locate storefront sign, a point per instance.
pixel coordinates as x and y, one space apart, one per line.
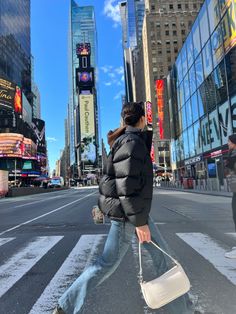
148 114
216 153
193 160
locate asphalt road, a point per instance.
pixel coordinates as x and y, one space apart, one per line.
47 240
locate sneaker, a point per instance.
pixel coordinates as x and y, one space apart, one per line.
232 253
58 310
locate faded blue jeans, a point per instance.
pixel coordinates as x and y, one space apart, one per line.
118 241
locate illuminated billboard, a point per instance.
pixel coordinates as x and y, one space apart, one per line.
160 106
83 49
84 77
16 145
10 96
148 114
87 128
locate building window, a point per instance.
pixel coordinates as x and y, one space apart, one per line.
171 6
186 6
166 24
167 42
167 33
167 50
153 7
173 24
175 42
154 60
179 6
169 68
154 69
183 32
194 5
174 33
158 25
160 52
169 59
176 50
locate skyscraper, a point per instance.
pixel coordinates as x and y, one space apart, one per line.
15 51
84 141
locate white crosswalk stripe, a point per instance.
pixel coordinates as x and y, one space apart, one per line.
5 240
212 252
79 258
20 263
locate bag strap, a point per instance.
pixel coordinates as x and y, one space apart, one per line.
140 259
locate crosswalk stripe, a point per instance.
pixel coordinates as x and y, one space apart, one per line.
212 252
5 240
79 258
20 263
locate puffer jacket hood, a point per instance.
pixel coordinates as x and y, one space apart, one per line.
126 188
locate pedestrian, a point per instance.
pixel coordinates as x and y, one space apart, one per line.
231 165
125 196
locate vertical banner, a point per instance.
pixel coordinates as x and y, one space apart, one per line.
152 153
148 114
87 128
160 106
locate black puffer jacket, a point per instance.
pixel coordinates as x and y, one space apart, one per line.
126 188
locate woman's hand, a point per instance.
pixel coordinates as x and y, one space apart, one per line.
143 233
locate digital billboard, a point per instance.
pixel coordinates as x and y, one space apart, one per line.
84 77
38 126
160 106
83 49
10 96
16 145
87 128
148 114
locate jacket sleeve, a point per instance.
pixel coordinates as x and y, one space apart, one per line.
128 163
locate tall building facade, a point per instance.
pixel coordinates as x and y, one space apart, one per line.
22 136
202 95
132 14
83 105
15 44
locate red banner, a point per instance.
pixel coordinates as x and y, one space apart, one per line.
160 106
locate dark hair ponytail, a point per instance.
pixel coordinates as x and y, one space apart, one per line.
132 112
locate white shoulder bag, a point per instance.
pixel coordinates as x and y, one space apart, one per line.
166 288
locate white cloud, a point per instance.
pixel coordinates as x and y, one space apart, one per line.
108 83
106 68
111 10
119 94
119 70
112 75
51 139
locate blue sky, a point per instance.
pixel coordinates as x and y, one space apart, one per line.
49 29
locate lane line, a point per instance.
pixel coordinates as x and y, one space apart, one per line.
5 240
79 258
212 252
46 214
20 263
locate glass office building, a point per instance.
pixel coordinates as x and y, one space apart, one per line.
202 93
82 29
15 51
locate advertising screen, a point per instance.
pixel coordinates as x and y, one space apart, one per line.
148 114
87 128
83 49
16 145
229 25
84 77
38 126
10 96
160 106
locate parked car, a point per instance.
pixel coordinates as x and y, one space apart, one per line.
56 182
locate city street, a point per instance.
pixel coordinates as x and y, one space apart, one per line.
47 240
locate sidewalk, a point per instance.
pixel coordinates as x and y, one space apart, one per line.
216 193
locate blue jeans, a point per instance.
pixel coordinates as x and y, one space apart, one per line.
117 244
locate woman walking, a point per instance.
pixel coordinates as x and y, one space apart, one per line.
125 197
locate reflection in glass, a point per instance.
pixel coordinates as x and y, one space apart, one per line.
179 69
196 38
186 88
213 14
197 138
219 78
205 134
200 105
217 46
184 118
214 129
181 94
225 121
192 80
191 141
233 112
230 61
189 116
184 60
185 144
203 22
190 50
194 102
207 59
199 70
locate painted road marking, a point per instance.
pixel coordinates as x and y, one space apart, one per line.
5 240
79 258
44 215
212 252
20 263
